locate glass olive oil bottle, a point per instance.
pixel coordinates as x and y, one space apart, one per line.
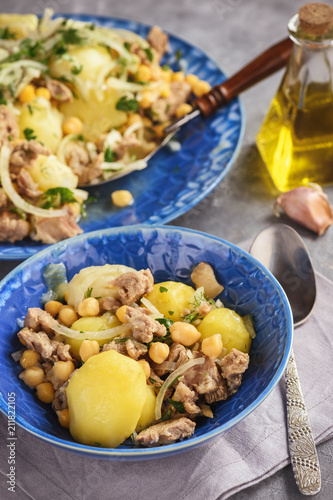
296 137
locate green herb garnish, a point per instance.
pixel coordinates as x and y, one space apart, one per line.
175 380
109 155
171 312
178 54
178 405
5 34
87 293
149 54
29 134
163 289
19 212
127 46
126 104
55 197
167 415
77 69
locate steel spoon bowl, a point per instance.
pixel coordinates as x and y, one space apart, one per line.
283 252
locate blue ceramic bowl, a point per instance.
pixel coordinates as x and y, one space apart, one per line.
170 253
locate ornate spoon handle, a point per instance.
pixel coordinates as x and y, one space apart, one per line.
303 454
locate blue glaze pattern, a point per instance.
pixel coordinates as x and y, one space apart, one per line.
173 182
170 253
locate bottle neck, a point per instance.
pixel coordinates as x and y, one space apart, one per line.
307 41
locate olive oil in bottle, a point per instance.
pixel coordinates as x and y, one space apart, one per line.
296 137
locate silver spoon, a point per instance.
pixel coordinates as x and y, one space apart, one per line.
283 252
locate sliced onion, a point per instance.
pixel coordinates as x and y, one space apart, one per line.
151 307
61 153
168 382
17 355
116 84
18 201
109 333
133 128
249 325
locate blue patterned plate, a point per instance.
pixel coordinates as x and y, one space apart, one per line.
170 253
173 182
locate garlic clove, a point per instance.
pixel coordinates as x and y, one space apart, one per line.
307 205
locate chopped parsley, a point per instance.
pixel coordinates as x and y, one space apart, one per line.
5 34
165 67
55 197
30 109
87 293
71 36
165 321
19 212
77 69
127 46
163 289
149 54
178 405
175 380
29 134
152 380
109 155
178 54
122 340
167 415
2 99
126 104
171 312
92 27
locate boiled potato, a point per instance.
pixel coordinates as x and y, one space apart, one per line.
171 298
91 324
96 280
148 411
18 24
44 120
90 60
105 399
229 325
98 115
49 173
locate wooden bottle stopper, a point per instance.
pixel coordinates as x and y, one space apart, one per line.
316 18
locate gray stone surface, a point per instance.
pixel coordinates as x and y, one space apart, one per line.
232 32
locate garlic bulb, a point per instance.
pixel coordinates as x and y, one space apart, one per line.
307 205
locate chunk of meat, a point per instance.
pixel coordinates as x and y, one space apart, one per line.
158 40
24 155
136 49
108 304
59 91
133 285
155 380
4 200
135 349
143 326
26 185
60 398
9 129
92 171
233 365
204 378
115 346
177 355
48 349
127 142
188 397
37 319
77 157
165 107
13 227
55 229
166 432
219 395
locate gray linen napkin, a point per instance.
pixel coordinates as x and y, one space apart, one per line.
245 455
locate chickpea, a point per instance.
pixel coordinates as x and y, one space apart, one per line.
88 307
133 118
212 346
62 370
45 392
63 417
191 80
159 352
43 92
200 88
120 313
146 100
27 94
145 366
184 333
178 76
67 315
88 348
29 358
144 73
53 307
183 109
32 376
159 131
165 90
72 125
122 198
